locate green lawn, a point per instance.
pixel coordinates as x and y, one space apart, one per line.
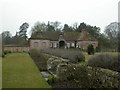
19 71
0 73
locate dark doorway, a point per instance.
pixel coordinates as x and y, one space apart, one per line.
61 44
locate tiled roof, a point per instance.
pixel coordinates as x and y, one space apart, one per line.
67 35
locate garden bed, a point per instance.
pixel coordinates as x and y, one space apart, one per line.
76 75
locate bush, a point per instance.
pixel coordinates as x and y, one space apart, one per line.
39 58
76 74
73 55
80 76
6 52
90 49
106 61
97 49
52 79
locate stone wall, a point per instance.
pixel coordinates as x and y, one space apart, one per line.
16 48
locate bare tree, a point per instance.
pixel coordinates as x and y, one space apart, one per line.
111 31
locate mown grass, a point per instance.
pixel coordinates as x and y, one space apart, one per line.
0 72
19 71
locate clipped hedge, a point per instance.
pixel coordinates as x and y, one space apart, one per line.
73 55
6 52
39 58
106 61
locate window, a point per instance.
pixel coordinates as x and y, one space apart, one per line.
35 44
77 45
43 44
61 36
55 44
73 44
68 45
51 45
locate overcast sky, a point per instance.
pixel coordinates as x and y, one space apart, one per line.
93 12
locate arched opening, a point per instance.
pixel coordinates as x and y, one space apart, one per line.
61 44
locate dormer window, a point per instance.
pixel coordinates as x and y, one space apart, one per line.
61 36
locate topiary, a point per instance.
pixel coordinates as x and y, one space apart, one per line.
90 49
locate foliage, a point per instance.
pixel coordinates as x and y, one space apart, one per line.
22 72
52 79
93 30
90 49
16 40
73 55
39 58
57 25
75 74
38 27
51 26
19 39
67 28
80 76
81 27
6 37
111 32
23 30
6 52
106 61
97 49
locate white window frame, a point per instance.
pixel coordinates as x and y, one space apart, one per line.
68 45
55 44
73 44
51 44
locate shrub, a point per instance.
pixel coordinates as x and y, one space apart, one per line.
6 52
88 77
106 61
52 79
90 49
97 49
76 74
39 58
73 55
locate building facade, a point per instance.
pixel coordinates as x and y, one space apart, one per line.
62 40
